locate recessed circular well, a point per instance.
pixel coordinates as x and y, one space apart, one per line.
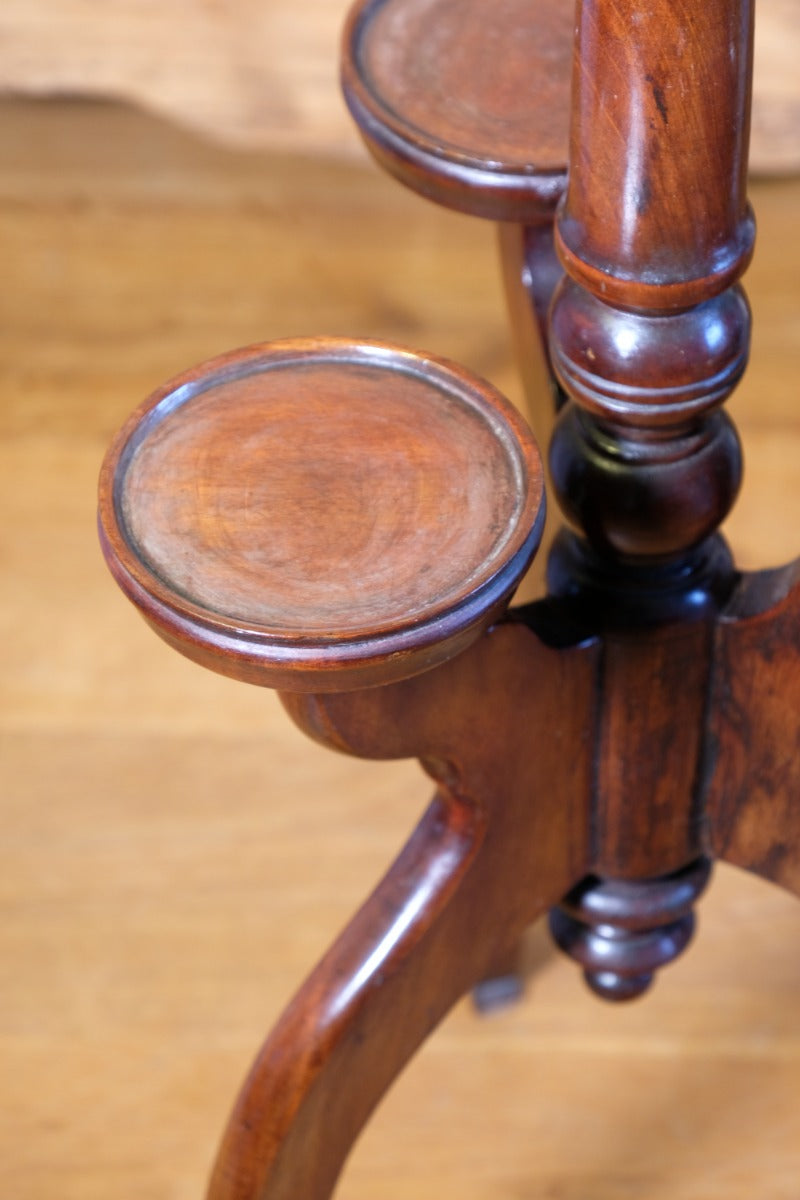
482 83
315 492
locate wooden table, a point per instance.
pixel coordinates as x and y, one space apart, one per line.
140 903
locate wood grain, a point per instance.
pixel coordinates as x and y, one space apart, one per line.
263 73
239 504
490 855
752 769
176 854
469 111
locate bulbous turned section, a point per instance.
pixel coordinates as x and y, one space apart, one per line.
656 216
647 371
645 500
622 931
643 463
650 331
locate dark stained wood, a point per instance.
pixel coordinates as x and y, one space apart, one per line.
261 75
322 513
657 215
649 336
531 270
160 907
622 931
753 766
649 755
502 842
463 102
591 751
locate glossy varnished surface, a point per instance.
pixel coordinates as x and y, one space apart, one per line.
491 854
656 213
466 103
176 854
321 512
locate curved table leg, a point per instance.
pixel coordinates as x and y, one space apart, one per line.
474 875
753 767
419 943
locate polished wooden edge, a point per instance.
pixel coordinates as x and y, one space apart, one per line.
760 595
659 294
369 970
312 665
448 174
491 855
597 371
467 187
333 661
751 771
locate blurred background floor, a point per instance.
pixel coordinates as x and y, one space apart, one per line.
175 856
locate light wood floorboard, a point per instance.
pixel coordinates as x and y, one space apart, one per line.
175 855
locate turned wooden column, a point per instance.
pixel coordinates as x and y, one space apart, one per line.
649 335
649 331
347 522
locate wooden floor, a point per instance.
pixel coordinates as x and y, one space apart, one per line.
175 856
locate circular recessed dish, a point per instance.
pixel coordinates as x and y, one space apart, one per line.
463 100
321 514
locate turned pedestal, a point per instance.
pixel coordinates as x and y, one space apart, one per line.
347 522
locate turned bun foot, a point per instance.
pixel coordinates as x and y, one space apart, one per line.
622 931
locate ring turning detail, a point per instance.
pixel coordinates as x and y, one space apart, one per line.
347 521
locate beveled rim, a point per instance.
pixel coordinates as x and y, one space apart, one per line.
315 657
453 174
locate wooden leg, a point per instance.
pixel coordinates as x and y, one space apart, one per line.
411 952
474 875
531 271
754 756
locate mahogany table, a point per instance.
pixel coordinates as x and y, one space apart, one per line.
346 521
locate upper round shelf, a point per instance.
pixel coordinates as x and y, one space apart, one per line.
321 514
465 101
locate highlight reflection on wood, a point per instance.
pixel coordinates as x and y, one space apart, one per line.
159 819
626 703
262 73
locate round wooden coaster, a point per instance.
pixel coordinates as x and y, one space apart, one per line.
464 101
321 514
